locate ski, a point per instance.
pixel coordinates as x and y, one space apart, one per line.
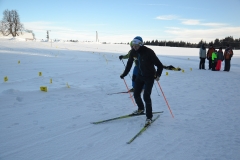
142 130
117 93
122 117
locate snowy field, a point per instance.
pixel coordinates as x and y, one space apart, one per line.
56 125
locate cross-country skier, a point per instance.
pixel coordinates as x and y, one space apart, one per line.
135 69
147 59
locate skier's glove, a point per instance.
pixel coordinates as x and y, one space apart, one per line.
121 57
157 78
122 76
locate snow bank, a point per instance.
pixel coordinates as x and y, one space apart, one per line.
17 39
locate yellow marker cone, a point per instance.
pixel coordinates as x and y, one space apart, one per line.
43 88
183 70
5 79
166 73
68 85
18 62
190 69
50 80
40 73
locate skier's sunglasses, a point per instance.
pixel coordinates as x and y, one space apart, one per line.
135 45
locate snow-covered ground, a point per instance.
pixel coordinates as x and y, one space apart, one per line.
56 124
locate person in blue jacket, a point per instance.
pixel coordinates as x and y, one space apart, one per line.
135 69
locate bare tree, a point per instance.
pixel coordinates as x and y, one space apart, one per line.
10 23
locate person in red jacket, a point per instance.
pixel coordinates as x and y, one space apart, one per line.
209 55
220 58
228 53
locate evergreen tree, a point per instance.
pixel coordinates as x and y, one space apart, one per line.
234 43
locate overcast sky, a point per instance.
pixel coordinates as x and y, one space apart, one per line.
121 21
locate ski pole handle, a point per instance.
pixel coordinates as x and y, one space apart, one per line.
125 67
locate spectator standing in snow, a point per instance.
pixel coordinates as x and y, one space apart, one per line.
220 58
202 56
209 56
147 59
214 60
228 53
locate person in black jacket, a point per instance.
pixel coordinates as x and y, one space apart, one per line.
147 59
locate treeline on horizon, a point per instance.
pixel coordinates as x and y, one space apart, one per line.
233 43
217 43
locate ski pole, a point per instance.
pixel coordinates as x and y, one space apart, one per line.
125 67
129 92
165 99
